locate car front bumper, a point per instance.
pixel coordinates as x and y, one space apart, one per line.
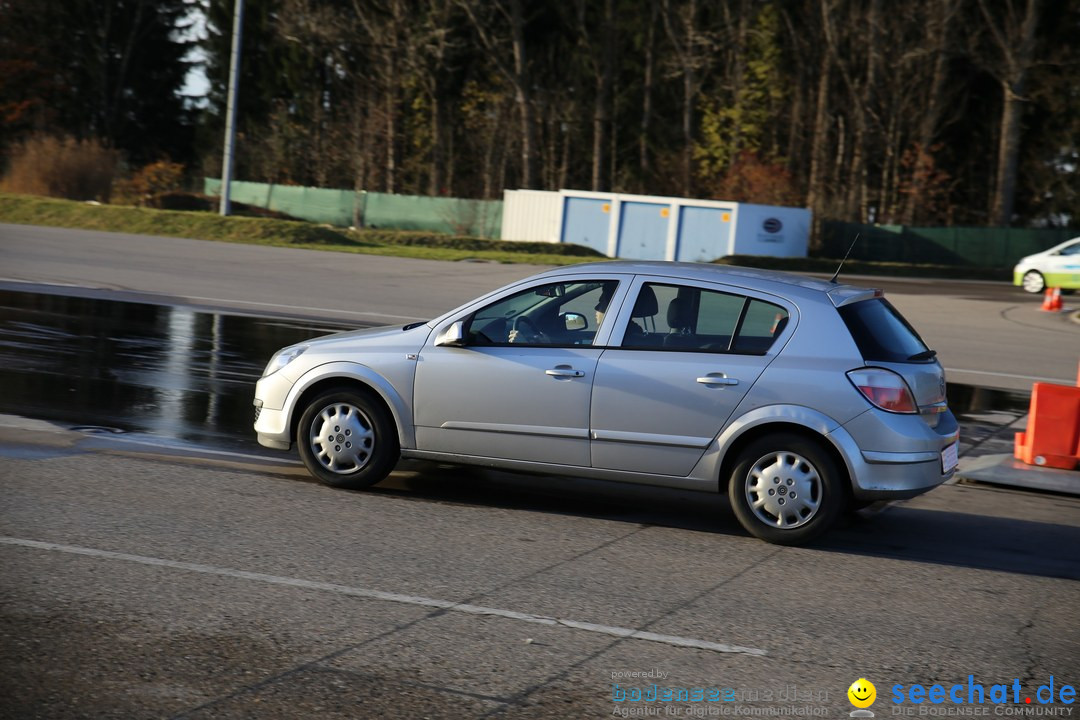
271 421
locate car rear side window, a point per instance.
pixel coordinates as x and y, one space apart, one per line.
761 325
881 332
692 319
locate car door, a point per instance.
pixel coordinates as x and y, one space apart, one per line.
1063 268
664 393
518 382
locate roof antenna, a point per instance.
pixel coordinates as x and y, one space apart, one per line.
837 273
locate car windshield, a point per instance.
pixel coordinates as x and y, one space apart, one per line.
1071 249
881 332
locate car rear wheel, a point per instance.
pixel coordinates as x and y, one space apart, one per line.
786 489
1033 281
347 439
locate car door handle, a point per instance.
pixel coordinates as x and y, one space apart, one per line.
564 372
717 379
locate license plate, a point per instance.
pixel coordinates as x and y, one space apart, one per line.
948 458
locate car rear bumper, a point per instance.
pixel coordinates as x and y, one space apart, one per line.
896 480
913 463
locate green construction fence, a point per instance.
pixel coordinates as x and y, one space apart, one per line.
958 246
456 216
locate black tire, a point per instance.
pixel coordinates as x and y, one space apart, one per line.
786 489
347 438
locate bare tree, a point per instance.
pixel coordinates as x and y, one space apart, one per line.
384 24
1012 36
815 191
516 70
644 168
598 46
691 49
435 43
938 46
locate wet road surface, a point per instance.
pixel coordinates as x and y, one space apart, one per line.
166 371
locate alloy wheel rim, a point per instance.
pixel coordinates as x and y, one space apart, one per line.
1033 282
783 490
342 438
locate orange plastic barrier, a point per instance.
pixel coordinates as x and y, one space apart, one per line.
1053 430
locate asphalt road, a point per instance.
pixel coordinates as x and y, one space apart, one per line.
987 334
138 584
144 581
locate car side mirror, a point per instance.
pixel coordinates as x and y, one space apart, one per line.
452 336
574 321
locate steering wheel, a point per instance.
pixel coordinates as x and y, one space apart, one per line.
526 330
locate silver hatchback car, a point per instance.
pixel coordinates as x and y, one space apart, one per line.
798 397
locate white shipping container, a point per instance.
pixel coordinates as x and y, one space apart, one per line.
654 227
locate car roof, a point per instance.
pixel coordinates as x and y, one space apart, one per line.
774 281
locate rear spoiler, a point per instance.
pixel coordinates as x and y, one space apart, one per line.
842 295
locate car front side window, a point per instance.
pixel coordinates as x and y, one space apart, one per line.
551 315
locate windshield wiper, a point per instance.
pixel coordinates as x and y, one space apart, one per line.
924 355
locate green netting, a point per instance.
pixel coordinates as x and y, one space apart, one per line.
321 205
478 218
982 247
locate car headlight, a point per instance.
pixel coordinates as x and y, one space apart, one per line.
282 358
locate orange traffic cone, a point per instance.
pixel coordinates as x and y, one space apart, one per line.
1057 300
1048 300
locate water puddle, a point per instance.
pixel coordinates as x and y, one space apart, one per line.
115 366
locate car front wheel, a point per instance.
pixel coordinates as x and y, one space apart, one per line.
347 439
1033 282
786 489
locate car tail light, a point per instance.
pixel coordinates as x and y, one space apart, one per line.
884 389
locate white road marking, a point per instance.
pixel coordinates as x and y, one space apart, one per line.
164 444
389 597
1034 378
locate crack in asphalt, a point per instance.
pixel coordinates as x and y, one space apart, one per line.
521 697
321 661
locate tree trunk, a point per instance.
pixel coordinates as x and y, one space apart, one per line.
815 194
602 105
1019 57
523 97
391 127
859 190
931 118
888 211
646 104
361 143
435 176
1008 154
687 129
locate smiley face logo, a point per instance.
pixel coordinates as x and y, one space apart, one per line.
862 693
